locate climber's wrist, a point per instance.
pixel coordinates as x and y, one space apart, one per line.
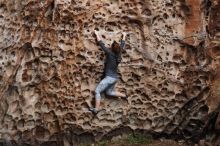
124 36
98 38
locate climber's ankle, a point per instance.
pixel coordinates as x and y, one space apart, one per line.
93 110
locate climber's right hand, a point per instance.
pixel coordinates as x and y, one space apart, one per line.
124 35
95 31
97 35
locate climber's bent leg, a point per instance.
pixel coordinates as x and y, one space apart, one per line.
111 91
102 86
119 94
116 94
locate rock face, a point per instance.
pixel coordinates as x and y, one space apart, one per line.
50 64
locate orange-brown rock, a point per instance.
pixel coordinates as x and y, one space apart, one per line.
50 64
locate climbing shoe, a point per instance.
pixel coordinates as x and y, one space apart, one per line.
93 110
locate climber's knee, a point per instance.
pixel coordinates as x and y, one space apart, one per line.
110 93
97 94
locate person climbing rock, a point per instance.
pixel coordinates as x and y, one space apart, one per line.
113 58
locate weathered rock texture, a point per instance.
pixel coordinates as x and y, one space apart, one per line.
50 65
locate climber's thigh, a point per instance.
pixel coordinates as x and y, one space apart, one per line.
105 84
111 90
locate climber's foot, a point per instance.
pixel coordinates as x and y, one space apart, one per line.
95 111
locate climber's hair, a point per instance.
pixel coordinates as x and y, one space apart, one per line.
115 48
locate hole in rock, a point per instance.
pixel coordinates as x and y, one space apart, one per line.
147 12
159 58
80 58
216 51
96 29
165 16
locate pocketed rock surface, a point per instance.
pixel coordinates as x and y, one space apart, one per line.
50 64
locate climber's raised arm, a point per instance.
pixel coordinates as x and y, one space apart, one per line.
102 45
122 45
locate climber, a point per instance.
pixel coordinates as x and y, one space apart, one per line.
113 58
